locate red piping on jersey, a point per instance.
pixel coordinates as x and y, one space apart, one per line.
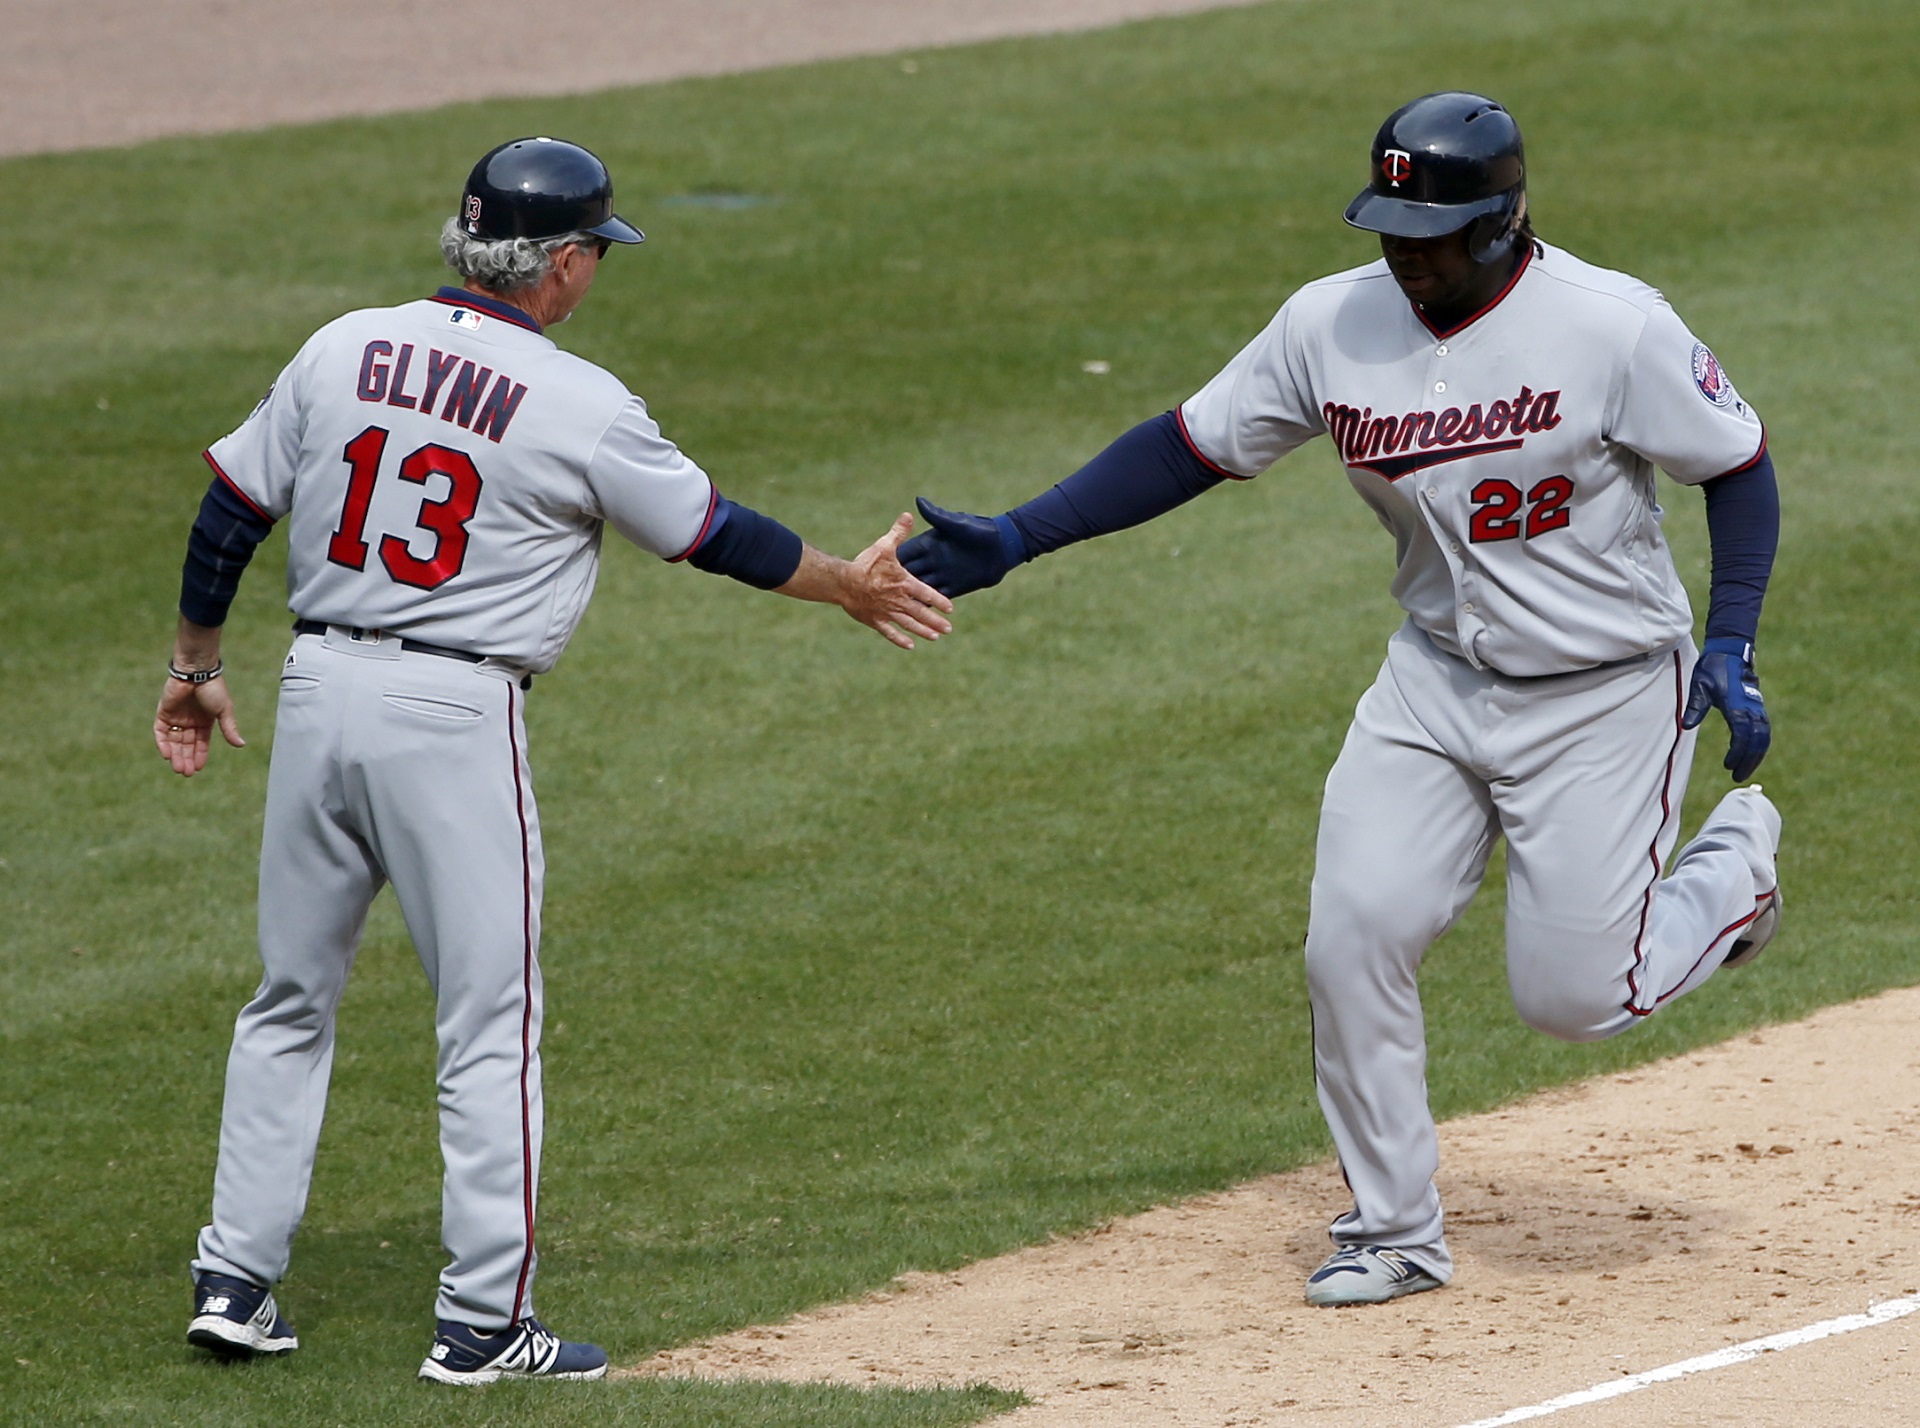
492 306
1498 298
1653 849
1181 417
1750 462
713 504
251 504
526 1012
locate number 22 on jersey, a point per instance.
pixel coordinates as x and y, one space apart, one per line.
446 519
1496 514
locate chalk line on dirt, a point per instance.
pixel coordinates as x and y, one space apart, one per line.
1725 1197
1880 1314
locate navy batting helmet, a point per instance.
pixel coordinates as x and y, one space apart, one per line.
1442 162
541 188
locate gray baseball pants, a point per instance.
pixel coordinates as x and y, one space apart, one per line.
409 768
1583 774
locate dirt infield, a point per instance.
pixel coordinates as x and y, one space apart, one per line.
1624 1225
78 74
1606 1230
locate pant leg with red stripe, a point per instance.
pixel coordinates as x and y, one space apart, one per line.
1599 933
412 768
1583 775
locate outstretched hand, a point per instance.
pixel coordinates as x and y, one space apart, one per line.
1723 679
183 724
883 595
959 553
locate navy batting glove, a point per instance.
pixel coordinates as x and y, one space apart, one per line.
958 553
1723 679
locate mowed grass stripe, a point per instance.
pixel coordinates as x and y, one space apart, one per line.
860 963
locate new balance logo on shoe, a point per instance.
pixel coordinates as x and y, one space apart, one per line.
464 1354
235 1319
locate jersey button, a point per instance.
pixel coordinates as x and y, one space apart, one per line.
1456 547
1433 493
1468 607
1441 350
1439 386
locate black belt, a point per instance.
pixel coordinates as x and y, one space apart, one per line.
320 627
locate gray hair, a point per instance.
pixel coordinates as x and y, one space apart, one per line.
506 265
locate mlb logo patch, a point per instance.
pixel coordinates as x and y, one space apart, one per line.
465 317
1709 378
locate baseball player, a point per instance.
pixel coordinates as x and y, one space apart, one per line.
444 472
1501 406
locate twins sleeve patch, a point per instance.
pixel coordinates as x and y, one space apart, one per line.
1709 378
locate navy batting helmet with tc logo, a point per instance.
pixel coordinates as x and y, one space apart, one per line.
541 188
1440 163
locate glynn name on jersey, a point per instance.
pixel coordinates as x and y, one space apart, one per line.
445 473
383 378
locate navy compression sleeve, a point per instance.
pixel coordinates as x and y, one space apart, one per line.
754 549
219 546
1145 473
1743 529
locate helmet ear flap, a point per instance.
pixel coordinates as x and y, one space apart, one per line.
1493 233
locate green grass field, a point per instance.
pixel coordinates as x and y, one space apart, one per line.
859 962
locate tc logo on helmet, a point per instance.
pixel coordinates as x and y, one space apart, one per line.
1397 166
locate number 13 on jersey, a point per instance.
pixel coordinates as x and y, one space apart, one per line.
445 519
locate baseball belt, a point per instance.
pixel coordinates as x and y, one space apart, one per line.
354 632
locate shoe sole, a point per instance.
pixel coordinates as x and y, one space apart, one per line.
438 1374
1398 1291
234 1341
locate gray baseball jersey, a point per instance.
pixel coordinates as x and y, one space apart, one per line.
1512 458
1535 691
447 471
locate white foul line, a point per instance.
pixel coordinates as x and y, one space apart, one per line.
1737 1353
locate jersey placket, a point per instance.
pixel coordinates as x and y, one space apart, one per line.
1435 493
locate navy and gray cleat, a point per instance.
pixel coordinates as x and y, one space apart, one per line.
1753 940
1759 933
1365 1274
237 1319
464 1354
